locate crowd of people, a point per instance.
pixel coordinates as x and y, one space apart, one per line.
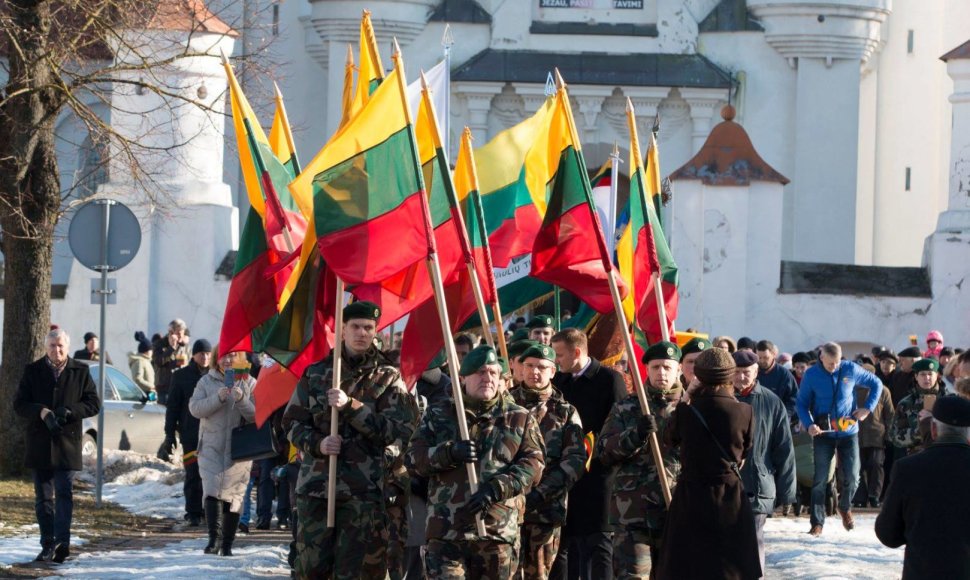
558 467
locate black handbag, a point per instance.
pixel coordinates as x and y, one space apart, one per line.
250 444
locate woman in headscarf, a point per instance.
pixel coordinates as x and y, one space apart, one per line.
710 531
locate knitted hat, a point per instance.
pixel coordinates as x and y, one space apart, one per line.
144 345
715 367
201 345
88 336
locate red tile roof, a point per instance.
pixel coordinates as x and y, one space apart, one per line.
728 158
185 15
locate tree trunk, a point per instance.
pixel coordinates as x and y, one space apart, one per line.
30 192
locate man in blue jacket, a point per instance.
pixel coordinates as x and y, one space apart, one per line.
826 405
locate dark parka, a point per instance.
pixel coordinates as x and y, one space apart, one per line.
74 390
922 511
769 472
593 393
710 531
177 416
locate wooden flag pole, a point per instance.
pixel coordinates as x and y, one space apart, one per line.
334 413
661 309
459 219
434 269
653 441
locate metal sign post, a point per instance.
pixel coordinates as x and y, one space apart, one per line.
119 241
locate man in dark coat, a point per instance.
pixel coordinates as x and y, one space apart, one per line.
54 395
775 377
586 550
91 350
179 421
926 503
769 473
710 531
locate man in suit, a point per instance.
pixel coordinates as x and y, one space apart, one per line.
55 394
926 503
586 549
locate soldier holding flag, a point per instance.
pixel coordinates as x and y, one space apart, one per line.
507 447
375 413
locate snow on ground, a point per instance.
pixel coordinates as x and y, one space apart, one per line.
835 555
180 560
142 484
23 548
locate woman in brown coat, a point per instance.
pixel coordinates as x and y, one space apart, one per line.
710 531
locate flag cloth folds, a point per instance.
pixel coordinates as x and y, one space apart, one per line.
643 251
421 344
371 71
570 249
513 173
401 293
367 192
273 389
253 292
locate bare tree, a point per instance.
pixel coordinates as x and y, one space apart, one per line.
65 57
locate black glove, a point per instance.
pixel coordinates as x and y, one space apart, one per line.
645 426
63 415
165 451
53 426
463 452
534 500
480 501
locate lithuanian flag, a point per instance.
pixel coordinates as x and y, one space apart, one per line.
407 289
421 343
260 270
371 71
368 192
570 250
642 250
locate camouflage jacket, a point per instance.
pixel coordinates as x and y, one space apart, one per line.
510 461
562 434
907 431
374 425
637 500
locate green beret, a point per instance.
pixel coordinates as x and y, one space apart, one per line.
362 309
504 364
662 350
520 346
476 359
695 345
540 321
926 364
519 334
539 351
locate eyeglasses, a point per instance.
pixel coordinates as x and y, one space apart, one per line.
539 367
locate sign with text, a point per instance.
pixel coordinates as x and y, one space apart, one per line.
593 4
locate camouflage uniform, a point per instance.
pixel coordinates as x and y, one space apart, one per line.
380 414
907 431
511 461
637 509
565 459
397 495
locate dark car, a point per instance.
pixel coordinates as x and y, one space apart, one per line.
131 421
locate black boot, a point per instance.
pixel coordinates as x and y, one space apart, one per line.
213 515
230 521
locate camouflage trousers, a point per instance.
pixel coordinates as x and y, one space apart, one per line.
354 548
636 553
479 559
540 544
397 532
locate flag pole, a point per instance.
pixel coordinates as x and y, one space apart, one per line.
486 247
288 133
614 187
459 219
653 441
447 41
334 413
434 269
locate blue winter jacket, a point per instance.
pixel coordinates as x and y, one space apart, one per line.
818 386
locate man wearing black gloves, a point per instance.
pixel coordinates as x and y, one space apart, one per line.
54 395
179 420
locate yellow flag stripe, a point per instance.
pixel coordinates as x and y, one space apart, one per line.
241 111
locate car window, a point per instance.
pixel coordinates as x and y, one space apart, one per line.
109 392
127 388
